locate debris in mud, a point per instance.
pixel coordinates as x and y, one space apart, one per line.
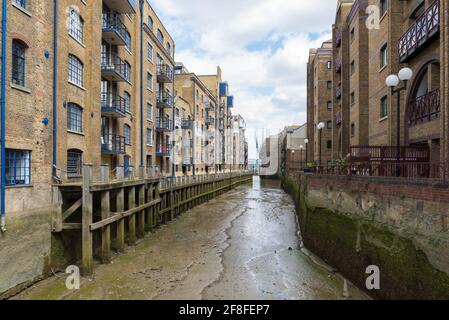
290 248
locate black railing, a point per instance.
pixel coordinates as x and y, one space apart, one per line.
112 103
164 73
424 108
113 63
164 124
163 149
164 100
113 144
114 23
186 124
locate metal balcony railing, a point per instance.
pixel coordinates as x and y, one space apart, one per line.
163 124
163 150
420 33
338 117
186 124
210 121
208 106
164 73
112 105
425 108
113 144
338 65
164 100
338 91
114 68
114 31
122 6
337 38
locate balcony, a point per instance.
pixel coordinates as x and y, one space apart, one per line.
187 124
112 105
338 117
113 68
113 144
164 100
122 6
337 38
425 108
224 89
221 126
210 121
163 150
421 33
230 101
114 31
164 73
208 106
337 65
163 124
338 91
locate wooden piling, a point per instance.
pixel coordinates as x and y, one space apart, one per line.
87 212
105 213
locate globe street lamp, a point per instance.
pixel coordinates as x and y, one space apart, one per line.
306 141
392 81
320 127
292 161
301 147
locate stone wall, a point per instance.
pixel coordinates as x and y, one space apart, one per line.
400 226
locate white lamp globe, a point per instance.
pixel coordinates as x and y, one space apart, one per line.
301 147
405 74
306 141
320 126
392 80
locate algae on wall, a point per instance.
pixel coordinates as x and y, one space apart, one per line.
351 244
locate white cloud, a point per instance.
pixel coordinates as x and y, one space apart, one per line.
261 46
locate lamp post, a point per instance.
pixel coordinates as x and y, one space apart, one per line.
301 147
320 127
306 141
392 81
292 161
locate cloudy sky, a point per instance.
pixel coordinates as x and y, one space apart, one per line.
262 47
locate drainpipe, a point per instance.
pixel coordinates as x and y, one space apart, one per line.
141 83
3 120
55 84
173 117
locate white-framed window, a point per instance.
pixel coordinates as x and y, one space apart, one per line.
76 70
127 134
149 136
74 118
384 107
149 81
149 112
76 25
127 101
20 3
150 52
384 56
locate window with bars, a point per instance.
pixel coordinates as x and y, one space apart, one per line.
76 71
74 163
127 134
18 63
127 101
149 137
21 3
76 25
149 112
18 167
74 118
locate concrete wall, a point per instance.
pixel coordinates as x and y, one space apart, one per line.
400 226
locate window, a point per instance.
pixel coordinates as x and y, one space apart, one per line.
384 107
127 101
150 52
21 3
74 118
149 111
329 64
352 98
76 70
329 124
329 84
329 105
18 163
149 161
160 36
149 137
150 81
384 56
329 144
127 134
127 71
352 67
352 129
150 23
18 63
168 48
383 7
76 25
74 163
128 40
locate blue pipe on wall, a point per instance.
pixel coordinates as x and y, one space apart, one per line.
141 84
55 84
3 115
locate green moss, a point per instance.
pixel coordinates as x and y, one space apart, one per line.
406 272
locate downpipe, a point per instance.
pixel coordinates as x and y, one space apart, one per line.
3 120
55 85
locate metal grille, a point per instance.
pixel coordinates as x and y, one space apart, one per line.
74 118
74 163
76 25
18 63
18 163
76 70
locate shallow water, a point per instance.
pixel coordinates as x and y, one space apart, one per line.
242 245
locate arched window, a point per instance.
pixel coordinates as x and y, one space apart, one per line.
76 71
74 118
127 101
74 163
168 48
18 62
160 36
127 134
127 71
76 25
150 23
